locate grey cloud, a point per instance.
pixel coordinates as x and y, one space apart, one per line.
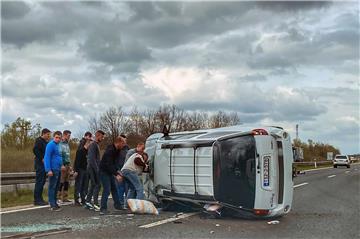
291 6
7 67
109 47
296 106
12 10
185 22
253 78
269 61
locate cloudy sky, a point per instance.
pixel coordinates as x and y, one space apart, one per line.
283 63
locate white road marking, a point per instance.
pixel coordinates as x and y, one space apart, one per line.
32 208
331 176
347 171
301 184
158 223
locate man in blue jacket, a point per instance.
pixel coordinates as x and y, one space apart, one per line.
39 152
53 163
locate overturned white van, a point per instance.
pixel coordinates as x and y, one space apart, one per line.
242 169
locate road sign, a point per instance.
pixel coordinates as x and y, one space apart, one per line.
330 155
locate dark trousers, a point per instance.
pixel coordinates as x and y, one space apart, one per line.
94 186
54 182
109 185
40 180
81 185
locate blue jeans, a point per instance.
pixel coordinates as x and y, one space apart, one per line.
54 182
135 186
40 180
121 190
109 185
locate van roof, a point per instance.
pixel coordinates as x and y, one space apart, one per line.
214 134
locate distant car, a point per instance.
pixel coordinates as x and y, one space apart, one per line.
341 160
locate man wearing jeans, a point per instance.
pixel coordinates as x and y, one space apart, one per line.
108 174
66 168
121 187
131 171
39 152
93 158
53 163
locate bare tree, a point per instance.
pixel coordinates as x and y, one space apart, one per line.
114 122
222 119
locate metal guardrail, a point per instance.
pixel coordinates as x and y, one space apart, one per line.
17 178
313 162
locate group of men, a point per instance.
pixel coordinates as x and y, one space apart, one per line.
118 171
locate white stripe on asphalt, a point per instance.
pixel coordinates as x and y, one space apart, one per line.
331 176
32 208
347 171
301 184
154 224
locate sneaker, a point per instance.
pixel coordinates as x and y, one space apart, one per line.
76 203
104 212
89 206
96 208
66 200
55 209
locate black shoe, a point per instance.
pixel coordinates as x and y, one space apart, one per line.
77 203
55 209
40 203
104 212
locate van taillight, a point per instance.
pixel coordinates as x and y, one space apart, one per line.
259 132
261 212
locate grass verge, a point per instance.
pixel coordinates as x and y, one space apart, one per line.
25 197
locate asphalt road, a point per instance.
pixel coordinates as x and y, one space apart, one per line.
326 205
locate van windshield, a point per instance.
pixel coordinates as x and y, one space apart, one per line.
235 159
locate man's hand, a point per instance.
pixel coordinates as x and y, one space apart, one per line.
50 173
119 178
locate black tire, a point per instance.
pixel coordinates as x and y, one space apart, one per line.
335 166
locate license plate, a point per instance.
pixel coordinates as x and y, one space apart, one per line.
266 166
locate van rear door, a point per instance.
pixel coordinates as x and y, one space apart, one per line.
234 171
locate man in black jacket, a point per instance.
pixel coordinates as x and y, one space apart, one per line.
121 187
86 138
39 151
81 176
108 174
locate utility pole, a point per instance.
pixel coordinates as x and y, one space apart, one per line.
297 132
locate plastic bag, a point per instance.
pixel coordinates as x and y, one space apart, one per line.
142 206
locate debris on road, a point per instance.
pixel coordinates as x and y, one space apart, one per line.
179 214
142 206
213 209
273 222
211 232
217 225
